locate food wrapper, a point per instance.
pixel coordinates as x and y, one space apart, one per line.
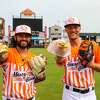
59 48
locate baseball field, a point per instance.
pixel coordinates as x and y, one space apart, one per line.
51 88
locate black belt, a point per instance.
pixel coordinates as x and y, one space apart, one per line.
27 99
79 90
30 98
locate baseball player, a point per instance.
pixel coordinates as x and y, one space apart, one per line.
79 66
21 69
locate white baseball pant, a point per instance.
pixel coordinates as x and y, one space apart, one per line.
71 95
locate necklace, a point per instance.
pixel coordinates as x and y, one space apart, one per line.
23 57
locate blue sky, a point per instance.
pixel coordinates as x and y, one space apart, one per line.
56 11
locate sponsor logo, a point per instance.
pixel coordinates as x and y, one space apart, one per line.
26 76
75 63
17 74
30 78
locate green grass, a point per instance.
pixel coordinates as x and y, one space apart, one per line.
51 88
97 85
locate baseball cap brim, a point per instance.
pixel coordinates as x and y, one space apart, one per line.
71 24
23 33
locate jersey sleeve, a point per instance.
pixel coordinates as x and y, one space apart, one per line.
96 51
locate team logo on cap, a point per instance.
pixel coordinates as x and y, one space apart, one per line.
24 28
70 20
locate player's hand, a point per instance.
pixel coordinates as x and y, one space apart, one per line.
91 64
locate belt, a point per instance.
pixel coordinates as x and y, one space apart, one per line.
30 98
83 91
27 99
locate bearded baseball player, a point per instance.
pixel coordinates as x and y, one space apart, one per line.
79 66
21 69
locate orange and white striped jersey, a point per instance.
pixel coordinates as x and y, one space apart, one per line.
18 80
83 78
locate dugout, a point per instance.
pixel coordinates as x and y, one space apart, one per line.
39 42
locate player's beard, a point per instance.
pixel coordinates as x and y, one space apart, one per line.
22 44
